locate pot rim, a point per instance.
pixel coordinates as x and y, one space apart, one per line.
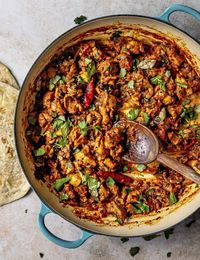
17 106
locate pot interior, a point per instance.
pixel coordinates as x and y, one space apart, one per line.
141 226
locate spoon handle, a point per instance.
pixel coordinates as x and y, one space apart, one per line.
178 167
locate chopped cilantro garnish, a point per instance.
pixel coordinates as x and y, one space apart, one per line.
124 239
150 237
157 80
141 167
133 113
134 251
168 73
182 85
32 120
172 198
58 184
110 181
39 152
64 196
88 61
189 224
122 73
135 64
168 232
131 84
116 35
146 118
83 127
169 254
125 169
91 70
80 19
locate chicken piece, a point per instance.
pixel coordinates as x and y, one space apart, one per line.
44 118
75 137
103 193
94 118
113 137
125 61
110 165
108 71
174 138
117 210
72 105
47 99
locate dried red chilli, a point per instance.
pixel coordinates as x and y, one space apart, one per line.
118 177
89 94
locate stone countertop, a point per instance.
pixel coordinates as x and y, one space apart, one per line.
27 27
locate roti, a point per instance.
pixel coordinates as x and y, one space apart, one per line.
13 184
7 77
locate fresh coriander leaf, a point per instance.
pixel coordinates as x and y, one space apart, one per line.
110 181
91 70
122 73
61 142
80 19
172 198
97 128
131 84
116 118
150 237
127 190
134 251
124 239
88 61
58 122
146 118
168 73
182 85
31 120
150 191
181 134
162 114
141 167
64 129
80 79
155 80
140 207
169 254
64 196
168 232
189 224
146 64
93 186
76 150
58 184
116 35
53 82
186 102
83 127
39 152
69 165
133 113
135 64
125 169
92 106
197 108
53 135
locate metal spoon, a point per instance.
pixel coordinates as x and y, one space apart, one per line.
142 147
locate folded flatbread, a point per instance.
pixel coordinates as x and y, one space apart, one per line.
13 184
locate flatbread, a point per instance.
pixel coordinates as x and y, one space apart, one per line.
7 77
13 184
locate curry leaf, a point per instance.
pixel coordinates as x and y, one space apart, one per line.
122 73
172 198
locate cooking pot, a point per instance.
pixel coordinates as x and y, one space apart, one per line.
142 226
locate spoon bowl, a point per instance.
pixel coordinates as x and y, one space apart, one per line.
142 146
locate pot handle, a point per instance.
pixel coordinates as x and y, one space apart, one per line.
56 240
178 8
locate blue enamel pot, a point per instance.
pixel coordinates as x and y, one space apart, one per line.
49 202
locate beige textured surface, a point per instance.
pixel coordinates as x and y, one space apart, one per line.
26 29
